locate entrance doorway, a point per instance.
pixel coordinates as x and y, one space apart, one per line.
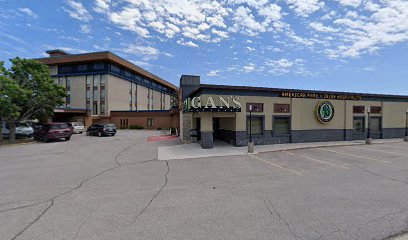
198 128
216 128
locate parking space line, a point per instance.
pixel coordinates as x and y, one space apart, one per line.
376 150
317 160
356 156
276 165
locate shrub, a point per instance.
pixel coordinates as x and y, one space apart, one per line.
135 127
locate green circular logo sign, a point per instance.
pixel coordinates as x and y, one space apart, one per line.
325 111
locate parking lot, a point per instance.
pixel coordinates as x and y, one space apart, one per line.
115 188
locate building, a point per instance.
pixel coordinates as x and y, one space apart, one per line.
103 87
286 115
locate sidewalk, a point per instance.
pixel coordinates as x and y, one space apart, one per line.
194 150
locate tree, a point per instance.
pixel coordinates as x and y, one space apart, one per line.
30 92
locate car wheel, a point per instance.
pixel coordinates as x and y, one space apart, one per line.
67 138
100 134
45 139
87 133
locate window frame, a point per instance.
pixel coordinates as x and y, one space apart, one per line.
364 124
380 119
263 125
274 118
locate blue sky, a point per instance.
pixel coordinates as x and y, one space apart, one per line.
340 45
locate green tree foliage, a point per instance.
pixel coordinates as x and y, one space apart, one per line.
27 92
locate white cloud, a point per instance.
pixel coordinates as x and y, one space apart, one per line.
188 43
321 28
85 28
77 11
102 6
284 66
305 7
352 3
250 49
213 73
248 68
29 12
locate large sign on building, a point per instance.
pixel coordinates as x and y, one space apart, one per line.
212 104
325 111
316 95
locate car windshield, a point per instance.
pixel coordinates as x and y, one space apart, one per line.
23 125
59 126
78 124
109 125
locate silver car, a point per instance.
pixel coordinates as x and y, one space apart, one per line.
77 127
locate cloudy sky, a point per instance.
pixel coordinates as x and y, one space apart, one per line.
343 45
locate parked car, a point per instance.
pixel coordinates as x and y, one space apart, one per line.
23 130
49 131
101 129
76 127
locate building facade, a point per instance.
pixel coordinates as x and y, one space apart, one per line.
101 83
234 114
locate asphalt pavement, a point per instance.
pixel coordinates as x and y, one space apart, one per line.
115 188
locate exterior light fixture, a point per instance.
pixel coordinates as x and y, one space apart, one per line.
369 140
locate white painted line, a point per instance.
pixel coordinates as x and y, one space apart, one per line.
376 150
317 160
276 165
356 156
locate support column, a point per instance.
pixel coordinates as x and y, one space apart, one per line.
186 121
207 140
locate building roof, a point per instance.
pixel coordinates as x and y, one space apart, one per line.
254 91
61 57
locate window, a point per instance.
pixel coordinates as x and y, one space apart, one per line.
256 107
103 80
375 109
114 69
358 124
68 83
281 125
358 109
102 109
257 125
146 81
82 68
65 69
99 66
138 78
61 81
150 122
128 74
375 124
281 108
95 108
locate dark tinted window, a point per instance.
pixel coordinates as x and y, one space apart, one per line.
109 125
99 66
59 126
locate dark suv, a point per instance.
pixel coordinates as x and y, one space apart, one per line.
101 129
50 131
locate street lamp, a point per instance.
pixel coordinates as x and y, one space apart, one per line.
369 140
406 126
250 143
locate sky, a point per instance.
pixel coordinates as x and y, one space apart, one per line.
335 45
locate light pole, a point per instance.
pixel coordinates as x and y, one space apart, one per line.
369 140
406 126
250 144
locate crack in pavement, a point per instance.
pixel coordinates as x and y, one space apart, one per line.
155 195
378 175
70 191
275 212
35 220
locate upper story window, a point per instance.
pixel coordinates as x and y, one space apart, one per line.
128 74
99 66
65 69
256 107
281 108
82 68
114 69
358 109
146 81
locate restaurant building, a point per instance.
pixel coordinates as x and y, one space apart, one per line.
217 112
103 87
